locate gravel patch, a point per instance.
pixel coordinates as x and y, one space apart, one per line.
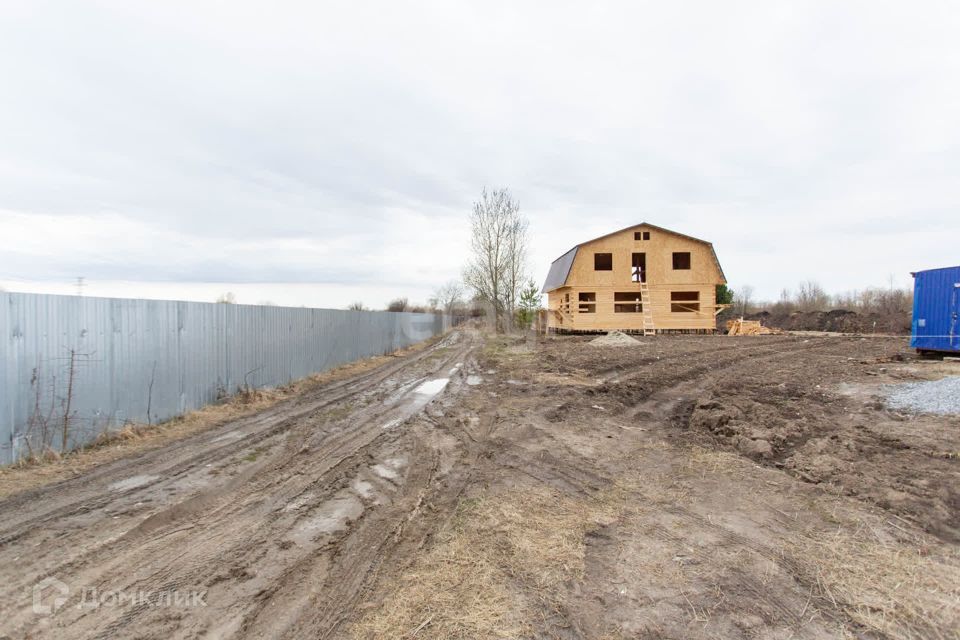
937 396
615 339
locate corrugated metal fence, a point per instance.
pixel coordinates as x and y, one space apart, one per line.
98 363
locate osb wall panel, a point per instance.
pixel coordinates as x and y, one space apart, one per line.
662 279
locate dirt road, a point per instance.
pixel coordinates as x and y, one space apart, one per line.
687 487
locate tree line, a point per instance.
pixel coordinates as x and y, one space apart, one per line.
810 296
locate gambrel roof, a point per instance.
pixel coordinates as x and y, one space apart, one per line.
560 268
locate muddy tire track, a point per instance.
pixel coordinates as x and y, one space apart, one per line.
264 425
318 503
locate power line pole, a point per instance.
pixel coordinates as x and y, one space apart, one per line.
80 285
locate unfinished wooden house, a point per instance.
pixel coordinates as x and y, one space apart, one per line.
642 279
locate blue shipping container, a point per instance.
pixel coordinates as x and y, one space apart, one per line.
936 308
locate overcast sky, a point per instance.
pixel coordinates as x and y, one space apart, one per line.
317 153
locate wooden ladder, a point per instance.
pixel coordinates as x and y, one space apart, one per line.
564 316
648 327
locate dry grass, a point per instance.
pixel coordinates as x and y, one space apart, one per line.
503 563
497 566
136 438
558 379
701 460
508 349
900 590
885 577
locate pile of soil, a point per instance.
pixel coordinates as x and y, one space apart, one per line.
836 320
615 339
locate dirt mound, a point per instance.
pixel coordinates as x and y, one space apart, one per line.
737 427
836 320
615 339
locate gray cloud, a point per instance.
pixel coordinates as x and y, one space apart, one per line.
344 144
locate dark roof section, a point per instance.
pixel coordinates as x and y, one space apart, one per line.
560 268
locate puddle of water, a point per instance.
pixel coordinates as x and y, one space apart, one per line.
132 483
299 502
432 387
384 471
363 488
396 463
331 516
233 435
423 394
421 397
402 390
474 380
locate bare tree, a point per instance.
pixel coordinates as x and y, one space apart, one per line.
447 296
419 308
499 244
812 297
356 306
785 304
227 298
398 304
875 300
742 299
516 262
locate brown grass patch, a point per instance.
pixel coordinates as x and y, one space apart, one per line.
559 379
701 460
495 568
900 590
137 438
504 563
890 579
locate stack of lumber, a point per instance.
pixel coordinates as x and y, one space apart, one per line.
741 327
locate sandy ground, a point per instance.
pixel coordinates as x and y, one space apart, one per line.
682 487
